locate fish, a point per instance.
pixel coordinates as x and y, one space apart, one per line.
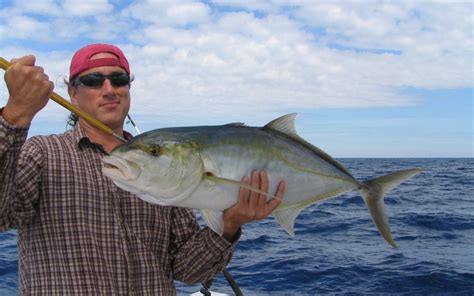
201 167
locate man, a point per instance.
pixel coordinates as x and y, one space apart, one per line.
77 232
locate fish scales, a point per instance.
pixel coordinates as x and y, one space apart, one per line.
233 151
201 167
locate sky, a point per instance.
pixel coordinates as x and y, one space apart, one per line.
367 78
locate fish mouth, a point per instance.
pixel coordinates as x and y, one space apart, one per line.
118 168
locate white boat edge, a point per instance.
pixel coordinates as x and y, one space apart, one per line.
212 294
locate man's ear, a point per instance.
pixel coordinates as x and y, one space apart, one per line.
72 91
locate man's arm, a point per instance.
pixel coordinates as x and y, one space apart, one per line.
29 90
203 253
198 254
19 174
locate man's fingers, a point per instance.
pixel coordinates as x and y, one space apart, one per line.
263 181
262 198
25 66
280 190
257 202
28 60
244 192
253 199
275 202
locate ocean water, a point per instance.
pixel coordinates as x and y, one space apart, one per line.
337 249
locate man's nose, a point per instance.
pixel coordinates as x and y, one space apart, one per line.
107 86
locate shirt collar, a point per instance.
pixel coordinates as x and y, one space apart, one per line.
79 136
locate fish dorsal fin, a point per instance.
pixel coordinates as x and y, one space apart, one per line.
235 124
284 124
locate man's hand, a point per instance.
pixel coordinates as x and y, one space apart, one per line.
252 205
29 90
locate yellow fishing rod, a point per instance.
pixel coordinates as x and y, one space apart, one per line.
4 64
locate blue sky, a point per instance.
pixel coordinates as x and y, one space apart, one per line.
368 79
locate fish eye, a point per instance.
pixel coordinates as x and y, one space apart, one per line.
154 150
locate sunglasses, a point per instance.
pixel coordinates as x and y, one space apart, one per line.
97 80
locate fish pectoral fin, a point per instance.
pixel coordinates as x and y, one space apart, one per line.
286 217
210 177
215 220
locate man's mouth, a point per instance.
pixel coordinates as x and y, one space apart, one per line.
109 104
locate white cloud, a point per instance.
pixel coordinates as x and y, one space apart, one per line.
169 13
25 27
111 29
188 13
261 55
83 8
59 22
268 6
40 7
407 26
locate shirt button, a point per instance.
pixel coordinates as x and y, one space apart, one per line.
11 138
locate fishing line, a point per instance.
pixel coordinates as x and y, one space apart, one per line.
130 121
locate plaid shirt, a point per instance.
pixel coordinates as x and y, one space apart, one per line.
78 233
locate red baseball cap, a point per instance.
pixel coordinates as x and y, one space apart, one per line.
81 61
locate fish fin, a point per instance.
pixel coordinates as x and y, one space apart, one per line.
286 125
286 214
211 177
286 218
235 124
373 192
215 220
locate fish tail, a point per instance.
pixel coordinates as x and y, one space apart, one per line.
373 192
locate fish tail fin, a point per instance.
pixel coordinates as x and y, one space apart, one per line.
373 192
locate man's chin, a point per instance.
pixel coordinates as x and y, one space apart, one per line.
113 120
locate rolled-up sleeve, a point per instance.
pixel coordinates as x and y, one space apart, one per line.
198 254
19 173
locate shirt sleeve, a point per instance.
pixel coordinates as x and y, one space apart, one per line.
19 174
199 254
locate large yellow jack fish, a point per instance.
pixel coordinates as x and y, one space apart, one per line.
201 167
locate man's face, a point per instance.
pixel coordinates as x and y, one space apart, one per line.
107 103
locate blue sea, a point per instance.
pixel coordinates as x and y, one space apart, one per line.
337 249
